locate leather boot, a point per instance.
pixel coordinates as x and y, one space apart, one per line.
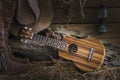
8 62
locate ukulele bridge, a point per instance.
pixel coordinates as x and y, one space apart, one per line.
90 56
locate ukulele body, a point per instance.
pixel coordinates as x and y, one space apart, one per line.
88 53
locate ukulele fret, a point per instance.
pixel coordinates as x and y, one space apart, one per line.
51 42
34 37
41 39
37 38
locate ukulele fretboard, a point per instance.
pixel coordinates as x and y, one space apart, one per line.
50 41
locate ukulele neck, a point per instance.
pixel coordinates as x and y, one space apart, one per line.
61 45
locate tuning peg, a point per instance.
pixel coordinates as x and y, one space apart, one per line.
30 29
26 27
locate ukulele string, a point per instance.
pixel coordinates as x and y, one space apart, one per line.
73 49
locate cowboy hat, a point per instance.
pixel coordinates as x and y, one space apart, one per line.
37 14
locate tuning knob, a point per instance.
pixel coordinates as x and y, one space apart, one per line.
28 28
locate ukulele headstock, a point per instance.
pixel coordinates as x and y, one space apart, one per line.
25 33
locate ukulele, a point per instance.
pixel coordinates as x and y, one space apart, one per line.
87 54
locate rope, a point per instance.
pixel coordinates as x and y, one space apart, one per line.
68 6
67 1
82 4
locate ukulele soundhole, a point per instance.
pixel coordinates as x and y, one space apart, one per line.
72 48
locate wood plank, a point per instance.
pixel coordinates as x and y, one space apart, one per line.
91 15
91 29
112 40
89 3
113 33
